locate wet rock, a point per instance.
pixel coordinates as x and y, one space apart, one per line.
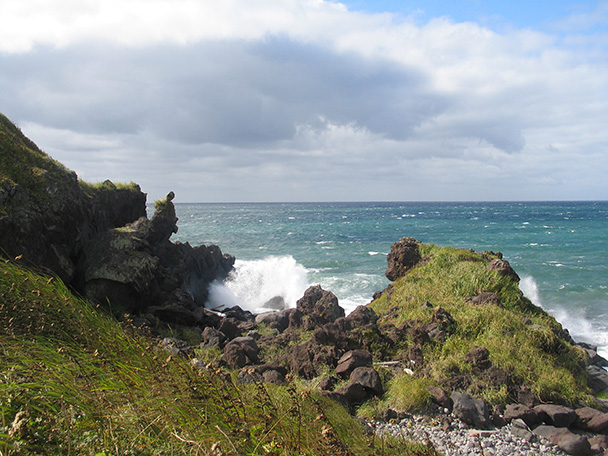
404 255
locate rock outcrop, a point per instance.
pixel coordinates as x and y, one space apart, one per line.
98 239
403 256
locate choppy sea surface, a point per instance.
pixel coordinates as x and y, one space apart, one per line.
559 249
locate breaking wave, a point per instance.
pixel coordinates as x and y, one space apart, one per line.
272 283
579 326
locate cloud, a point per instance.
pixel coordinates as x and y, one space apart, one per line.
231 101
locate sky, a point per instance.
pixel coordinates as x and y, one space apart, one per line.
313 100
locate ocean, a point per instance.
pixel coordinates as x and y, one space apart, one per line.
559 249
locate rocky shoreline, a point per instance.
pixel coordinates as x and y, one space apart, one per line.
101 243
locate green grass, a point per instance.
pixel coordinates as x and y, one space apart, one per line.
539 357
75 381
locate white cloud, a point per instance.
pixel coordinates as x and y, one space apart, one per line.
228 100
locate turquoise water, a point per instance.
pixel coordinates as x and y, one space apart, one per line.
559 249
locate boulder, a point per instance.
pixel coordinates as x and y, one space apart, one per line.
319 306
404 255
520 429
278 320
368 378
522 412
352 360
597 378
241 351
479 358
555 415
470 410
213 338
274 377
566 440
440 397
362 316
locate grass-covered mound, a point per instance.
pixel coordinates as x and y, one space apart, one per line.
75 381
519 345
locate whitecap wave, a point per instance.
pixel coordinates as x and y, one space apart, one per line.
579 326
261 285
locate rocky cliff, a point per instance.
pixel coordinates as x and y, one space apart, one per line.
98 239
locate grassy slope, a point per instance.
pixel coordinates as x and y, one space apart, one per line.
521 338
74 381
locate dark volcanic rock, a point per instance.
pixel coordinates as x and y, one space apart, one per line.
470 410
504 268
319 306
241 351
351 361
404 255
556 415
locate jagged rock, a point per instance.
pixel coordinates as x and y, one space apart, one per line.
229 327
362 316
555 415
470 410
403 256
503 267
592 355
440 397
522 412
479 358
319 306
352 360
442 324
485 299
241 351
419 335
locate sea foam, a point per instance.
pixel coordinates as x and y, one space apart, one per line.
256 285
579 326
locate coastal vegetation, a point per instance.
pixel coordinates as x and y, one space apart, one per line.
76 381
106 347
